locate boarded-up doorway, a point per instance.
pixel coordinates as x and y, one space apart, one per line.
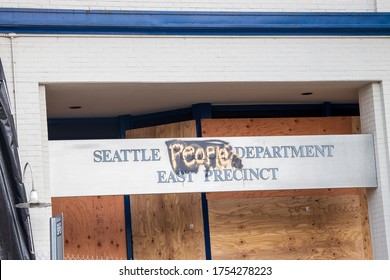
292 224
94 227
167 226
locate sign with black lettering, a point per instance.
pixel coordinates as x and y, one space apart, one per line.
140 166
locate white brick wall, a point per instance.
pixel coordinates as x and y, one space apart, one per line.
50 59
32 136
205 5
156 59
383 5
5 55
371 100
32 139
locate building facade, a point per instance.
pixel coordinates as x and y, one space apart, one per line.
123 59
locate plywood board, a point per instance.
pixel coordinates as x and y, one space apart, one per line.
311 227
280 127
94 227
167 226
276 127
289 193
178 130
290 224
366 232
365 226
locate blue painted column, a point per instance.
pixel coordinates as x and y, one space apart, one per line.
126 124
327 109
203 111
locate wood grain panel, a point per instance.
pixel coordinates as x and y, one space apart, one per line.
275 224
276 127
356 126
289 193
365 226
167 226
94 226
280 127
312 227
179 130
367 242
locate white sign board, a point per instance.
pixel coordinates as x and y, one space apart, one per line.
141 166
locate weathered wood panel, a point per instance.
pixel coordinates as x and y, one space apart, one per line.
356 126
289 193
280 127
276 127
94 226
180 129
365 226
307 227
167 226
288 224
367 244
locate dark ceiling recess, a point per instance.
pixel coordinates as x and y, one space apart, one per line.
110 128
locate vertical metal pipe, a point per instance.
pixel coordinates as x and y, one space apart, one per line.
11 36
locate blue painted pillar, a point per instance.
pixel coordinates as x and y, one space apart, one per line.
203 111
125 123
327 109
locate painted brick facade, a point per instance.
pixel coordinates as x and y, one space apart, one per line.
48 59
209 5
382 6
371 100
194 59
